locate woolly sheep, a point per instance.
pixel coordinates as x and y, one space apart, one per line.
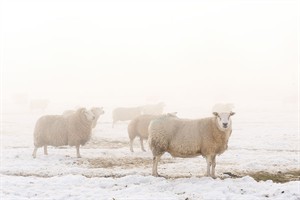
125 114
190 138
58 130
138 127
153 109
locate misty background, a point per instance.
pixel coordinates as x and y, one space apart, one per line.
127 53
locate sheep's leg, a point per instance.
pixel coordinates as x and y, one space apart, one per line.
45 150
34 152
142 144
209 163
213 166
77 151
131 145
155 163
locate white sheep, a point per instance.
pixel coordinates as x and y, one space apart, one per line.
190 138
125 114
138 127
153 109
58 130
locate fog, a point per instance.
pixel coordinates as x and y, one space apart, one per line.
125 53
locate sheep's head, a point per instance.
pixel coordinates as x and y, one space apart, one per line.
97 111
223 119
89 115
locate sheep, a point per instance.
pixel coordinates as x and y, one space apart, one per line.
97 112
190 138
58 130
125 114
139 127
153 109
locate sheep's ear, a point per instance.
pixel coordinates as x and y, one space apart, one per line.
232 113
215 114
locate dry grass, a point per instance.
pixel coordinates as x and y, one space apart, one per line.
279 177
105 144
125 162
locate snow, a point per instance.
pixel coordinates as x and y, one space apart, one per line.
261 141
145 187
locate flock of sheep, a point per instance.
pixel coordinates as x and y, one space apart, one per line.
165 132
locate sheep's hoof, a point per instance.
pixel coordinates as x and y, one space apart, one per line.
156 175
211 176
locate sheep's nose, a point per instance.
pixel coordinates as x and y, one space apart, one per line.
225 125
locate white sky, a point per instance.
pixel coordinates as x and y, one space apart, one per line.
132 52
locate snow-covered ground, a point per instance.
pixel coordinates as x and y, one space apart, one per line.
260 142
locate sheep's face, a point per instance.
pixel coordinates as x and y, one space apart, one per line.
89 115
98 111
223 119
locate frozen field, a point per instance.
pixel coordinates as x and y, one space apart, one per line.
263 145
